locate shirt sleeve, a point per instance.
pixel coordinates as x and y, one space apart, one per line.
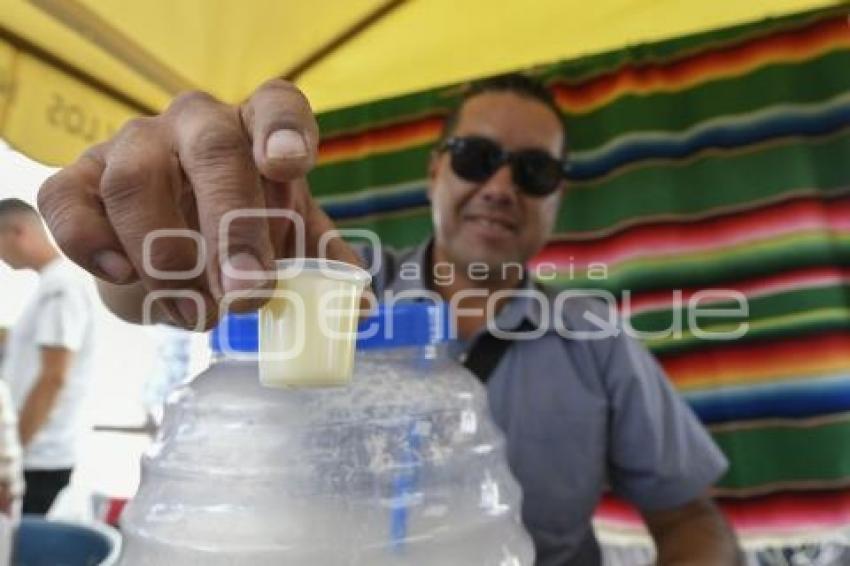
62 319
660 454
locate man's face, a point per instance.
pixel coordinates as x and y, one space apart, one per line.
494 222
10 245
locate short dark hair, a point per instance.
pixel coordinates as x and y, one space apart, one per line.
515 83
9 206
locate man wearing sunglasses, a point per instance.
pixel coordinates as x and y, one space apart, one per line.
578 414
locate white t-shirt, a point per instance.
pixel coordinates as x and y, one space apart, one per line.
60 314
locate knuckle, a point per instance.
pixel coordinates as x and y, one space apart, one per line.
192 100
171 258
222 140
243 234
247 234
240 229
67 233
125 179
72 237
280 85
94 155
134 158
139 126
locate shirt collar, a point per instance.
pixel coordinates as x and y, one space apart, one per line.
52 265
419 271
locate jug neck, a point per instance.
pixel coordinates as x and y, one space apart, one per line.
414 353
430 352
243 357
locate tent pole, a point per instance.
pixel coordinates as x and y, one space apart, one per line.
335 43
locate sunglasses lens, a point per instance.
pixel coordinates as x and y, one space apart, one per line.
536 172
475 159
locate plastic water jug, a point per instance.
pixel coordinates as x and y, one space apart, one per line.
403 466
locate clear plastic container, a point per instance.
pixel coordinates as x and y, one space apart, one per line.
308 327
402 467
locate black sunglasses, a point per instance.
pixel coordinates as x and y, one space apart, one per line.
476 159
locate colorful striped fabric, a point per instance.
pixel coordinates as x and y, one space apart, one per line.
715 161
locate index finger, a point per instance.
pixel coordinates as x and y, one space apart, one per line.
215 154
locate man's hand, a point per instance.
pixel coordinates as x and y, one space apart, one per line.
695 534
186 169
55 364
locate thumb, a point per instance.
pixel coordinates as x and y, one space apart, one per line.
283 131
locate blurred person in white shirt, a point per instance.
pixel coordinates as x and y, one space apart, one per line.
48 361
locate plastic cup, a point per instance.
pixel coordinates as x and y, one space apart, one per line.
308 329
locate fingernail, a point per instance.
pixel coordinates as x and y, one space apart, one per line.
114 265
188 310
234 273
285 144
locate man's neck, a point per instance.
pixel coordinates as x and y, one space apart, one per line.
470 295
43 258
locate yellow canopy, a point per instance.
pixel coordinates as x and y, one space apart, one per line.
71 71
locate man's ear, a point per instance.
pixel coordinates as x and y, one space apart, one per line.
562 190
433 165
558 193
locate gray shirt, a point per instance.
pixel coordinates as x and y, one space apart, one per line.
579 414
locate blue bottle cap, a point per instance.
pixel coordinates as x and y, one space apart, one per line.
403 325
398 325
236 333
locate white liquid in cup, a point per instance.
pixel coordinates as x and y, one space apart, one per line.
308 330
